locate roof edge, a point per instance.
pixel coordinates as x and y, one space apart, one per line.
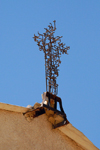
13 108
69 130
76 135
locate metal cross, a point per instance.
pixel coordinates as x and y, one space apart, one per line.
52 48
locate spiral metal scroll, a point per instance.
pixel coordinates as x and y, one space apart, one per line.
52 48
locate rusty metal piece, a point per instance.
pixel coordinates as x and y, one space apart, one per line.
35 112
64 122
55 99
52 48
56 117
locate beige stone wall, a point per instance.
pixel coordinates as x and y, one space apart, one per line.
16 133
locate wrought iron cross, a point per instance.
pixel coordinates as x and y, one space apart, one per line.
52 48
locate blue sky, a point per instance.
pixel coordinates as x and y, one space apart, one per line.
22 72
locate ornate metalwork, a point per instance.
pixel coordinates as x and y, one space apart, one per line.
52 48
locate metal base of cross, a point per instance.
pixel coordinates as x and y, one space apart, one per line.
56 117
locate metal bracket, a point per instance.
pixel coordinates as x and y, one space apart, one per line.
56 99
41 110
61 113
